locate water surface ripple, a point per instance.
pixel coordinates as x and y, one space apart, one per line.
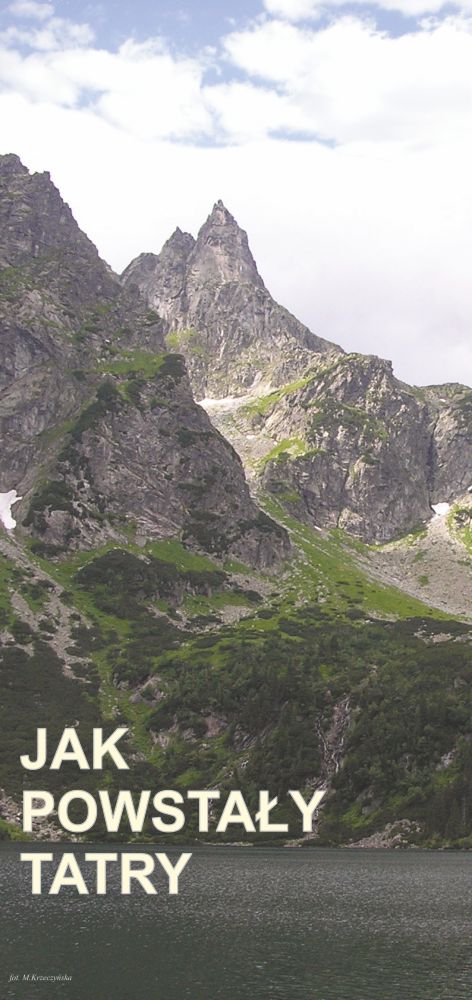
250 924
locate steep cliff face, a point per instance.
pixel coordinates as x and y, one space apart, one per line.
61 312
141 459
99 428
348 445
355 450
365 452
162 279
219 313
451 445
36 222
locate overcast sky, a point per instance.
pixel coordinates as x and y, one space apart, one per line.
338 134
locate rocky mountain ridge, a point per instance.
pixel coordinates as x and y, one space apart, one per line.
219 313
100 432
335 436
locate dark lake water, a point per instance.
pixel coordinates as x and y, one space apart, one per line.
250 924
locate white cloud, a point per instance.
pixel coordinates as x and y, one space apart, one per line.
367 242
141 88
301 10
293 10
351 82
31 9
243 111
147 91
347 82
53 35
33 78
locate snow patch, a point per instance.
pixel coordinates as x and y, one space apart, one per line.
227 404
441 509
6 502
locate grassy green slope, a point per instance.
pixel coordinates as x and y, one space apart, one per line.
256 702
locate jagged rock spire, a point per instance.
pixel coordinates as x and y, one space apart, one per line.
222 317
222 250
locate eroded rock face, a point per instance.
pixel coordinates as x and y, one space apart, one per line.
165 274
143 454
99 427
62 314
35 220
337 438
219 312
355 448
363 463
451 448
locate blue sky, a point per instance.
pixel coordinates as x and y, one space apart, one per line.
338 134
190 24
186 22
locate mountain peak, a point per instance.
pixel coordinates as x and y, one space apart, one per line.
162 277
222 250
210 290
34 219
180 242
11 164
220 214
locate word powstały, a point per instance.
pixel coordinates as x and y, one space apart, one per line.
169 816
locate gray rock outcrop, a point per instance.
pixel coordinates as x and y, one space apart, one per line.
99 429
